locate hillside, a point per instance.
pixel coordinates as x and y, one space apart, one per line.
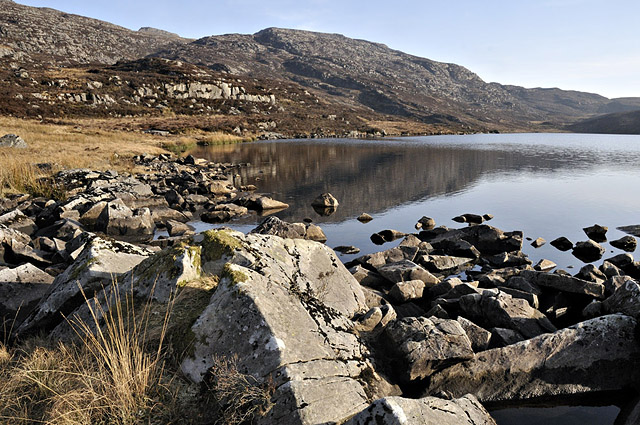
62 65
618 123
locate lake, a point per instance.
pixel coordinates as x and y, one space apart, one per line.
547 185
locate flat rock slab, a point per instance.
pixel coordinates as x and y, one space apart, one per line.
283 306
465 410
633 230
601 354
97 265
564 283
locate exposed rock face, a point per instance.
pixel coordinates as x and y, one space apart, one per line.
20 289
96 266
575 360
119 220
564 283
465 410
283 306
625 299
425 345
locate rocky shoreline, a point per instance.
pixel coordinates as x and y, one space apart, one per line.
432 330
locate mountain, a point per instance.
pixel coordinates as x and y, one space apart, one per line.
325 84
617 123
43 35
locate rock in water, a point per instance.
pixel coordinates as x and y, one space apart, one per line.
580 359
596 232
625 243
588 251
325 200
562 243
364 218
12 141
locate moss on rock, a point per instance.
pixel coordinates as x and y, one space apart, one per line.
218 243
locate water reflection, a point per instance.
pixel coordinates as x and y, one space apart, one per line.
544 184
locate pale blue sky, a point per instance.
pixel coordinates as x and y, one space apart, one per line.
586 45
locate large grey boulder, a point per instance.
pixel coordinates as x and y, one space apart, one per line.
465 410
424 345
17 220
598 355
406 270
8 237
12 141
98 264
504 311
283 307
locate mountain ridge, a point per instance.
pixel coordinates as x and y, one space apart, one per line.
353 74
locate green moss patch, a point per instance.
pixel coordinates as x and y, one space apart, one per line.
218 243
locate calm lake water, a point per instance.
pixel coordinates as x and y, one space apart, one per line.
547 185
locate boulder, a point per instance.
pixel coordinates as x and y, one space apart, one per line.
259 202
591 273
504 311
562 243
538 243
625 243
283 307
325 200
588 251
98 264
486 239
564 283
89 217
465 410
478 336
18 221
426 223
545 265
572 361
12 141
274 226
407 291
364 218
625 299
367 277
177 228
20 289
446 263
420 346
116 219
596 232
406 270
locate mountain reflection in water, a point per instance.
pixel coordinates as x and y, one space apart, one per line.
547 185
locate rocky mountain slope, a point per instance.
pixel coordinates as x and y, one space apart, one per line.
365 84
50 36
617 123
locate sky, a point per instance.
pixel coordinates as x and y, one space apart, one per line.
585 45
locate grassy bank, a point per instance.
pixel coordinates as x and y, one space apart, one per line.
87 143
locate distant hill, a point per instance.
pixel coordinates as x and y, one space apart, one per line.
365 86
618 123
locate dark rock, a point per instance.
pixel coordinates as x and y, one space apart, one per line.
501 337
325 200
591 273
465 288
119 220
573 361
324 211
538 243
625 299
457 248
592 310
17 220
274 226
478 336
562 243
368 278
633 230
545 265
522 284
444 287
426 223
502 310
259 202
364 218
621 260
625 243
486 239
409 309
610 270
588 251
177 228
445 263
422 346
596 232
438 311
508 259
347 249
564 283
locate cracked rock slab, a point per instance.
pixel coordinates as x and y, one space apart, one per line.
465 410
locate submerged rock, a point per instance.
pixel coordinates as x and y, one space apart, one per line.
325 200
